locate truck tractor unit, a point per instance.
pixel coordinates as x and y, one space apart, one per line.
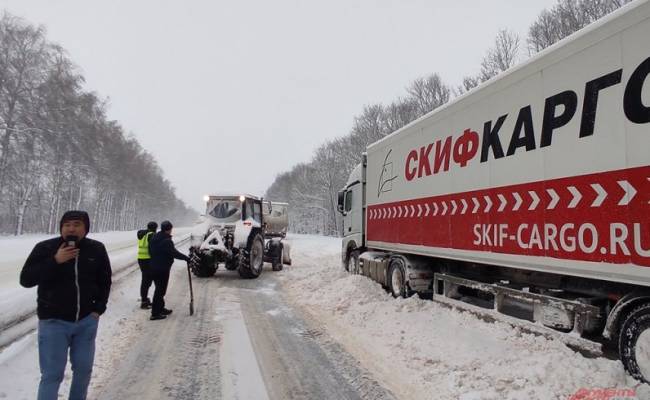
527 198
233 234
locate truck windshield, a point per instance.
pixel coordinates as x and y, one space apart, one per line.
228 210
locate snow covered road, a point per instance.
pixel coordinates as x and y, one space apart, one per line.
243 342
313 331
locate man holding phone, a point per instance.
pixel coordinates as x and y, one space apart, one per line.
73 275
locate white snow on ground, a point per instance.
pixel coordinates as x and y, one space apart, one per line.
416 348
422 350
243 379
19 372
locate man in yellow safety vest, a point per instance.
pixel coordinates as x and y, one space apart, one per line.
144 259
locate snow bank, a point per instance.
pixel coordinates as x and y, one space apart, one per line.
422 350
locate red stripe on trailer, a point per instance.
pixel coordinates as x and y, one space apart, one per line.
602 217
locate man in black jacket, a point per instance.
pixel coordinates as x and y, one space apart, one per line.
163 253
73 275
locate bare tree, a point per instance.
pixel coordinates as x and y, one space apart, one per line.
565 18
502 56
368 128
399 113
428 93
469 83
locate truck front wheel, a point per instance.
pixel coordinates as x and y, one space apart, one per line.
252 261
634 343
397 279
352 265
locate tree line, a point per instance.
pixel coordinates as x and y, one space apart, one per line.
59 151
311 188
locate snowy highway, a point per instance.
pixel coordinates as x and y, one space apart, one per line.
243 342
312 331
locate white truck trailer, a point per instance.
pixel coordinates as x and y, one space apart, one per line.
529 195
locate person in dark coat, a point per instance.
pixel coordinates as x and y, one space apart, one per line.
163 253
144 258
73 275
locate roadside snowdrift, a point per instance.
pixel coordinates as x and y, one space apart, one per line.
422 350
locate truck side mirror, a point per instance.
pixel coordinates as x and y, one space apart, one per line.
341 202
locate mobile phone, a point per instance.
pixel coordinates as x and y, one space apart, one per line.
71 240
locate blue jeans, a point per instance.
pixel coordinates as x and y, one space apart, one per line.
55 337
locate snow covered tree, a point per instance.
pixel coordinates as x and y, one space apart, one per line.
566 17
58 150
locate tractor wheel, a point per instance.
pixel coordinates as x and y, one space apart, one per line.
252 259
277 264
231 265
203 266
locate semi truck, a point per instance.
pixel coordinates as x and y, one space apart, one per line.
529 196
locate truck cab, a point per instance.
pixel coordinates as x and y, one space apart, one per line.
351 205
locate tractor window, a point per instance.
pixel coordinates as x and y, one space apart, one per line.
257 212
248 209
348 201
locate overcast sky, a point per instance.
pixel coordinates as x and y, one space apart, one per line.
226 95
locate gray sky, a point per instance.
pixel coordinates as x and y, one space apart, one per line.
226 95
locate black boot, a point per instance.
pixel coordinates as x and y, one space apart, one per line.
166 311
145 304
156 317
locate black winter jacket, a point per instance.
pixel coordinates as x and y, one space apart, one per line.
59 285
163 252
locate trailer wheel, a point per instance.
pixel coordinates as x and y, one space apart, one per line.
352 265
277 264
397 279
634 343
251 263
